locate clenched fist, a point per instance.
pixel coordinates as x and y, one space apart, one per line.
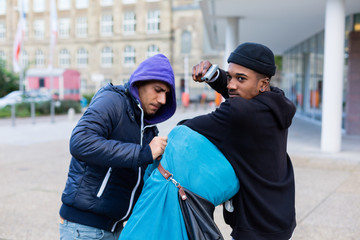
199 70
157 146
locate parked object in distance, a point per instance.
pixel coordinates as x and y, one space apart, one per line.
27 96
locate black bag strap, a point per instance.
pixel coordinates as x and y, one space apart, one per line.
196 211
198 216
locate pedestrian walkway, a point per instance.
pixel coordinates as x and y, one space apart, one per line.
327 184
34 160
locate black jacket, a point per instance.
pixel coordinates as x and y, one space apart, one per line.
252 134
108 160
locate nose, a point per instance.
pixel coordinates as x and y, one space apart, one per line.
161 98
230 84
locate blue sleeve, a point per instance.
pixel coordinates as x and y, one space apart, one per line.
150 169
91 139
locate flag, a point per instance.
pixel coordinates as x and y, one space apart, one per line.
53 31
19 37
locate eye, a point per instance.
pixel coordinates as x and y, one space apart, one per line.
158 90
241 79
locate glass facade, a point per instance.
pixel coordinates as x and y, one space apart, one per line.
303 72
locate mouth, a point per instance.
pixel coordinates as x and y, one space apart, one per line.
231 94
155 107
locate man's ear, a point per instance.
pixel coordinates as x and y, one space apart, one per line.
264 84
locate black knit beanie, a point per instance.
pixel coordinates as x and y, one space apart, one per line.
254 56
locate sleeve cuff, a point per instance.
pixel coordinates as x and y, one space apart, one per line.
145 156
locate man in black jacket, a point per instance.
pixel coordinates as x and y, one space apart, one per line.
250 128
111 146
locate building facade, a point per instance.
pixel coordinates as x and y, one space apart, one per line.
105 40
303 66
321 47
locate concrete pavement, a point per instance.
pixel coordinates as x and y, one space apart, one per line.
34 159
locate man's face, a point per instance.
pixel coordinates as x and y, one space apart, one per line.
152 96
244 82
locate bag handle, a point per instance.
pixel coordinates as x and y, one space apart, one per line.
169 177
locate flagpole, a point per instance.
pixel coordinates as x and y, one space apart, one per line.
52 105
53 33
18 45
21 66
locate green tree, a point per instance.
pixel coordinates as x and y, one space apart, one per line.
278 62
8 80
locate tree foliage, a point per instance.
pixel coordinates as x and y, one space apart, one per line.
8 80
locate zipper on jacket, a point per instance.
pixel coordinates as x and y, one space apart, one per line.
131 201
103 184
139 173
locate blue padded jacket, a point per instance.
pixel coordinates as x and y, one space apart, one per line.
105 177
110 151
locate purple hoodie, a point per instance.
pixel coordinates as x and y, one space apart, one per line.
158 68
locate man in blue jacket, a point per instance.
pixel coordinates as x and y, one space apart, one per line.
111 146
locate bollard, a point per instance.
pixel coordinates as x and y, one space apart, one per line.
32 110
185 99
52 111
13 114
71 114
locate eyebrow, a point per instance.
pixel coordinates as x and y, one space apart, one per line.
239 74
163 89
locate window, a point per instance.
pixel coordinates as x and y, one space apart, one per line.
153 22
82 57
152 50
2 55
356 22
64 58
39 58
2 7
106 27
105 81
38 5
129 56
81 27
106 2
26 30
64 4
25 4
2 58
41 82
128 1
83 84
186 42
129 23
2 31
39 29
106 57
64 28
24 59
82 3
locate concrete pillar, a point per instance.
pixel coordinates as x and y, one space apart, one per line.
231 37
333 76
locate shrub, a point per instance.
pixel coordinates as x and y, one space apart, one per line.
41 108
67 104
23 109
5 112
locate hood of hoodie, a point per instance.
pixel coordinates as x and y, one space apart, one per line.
282 108
157 68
